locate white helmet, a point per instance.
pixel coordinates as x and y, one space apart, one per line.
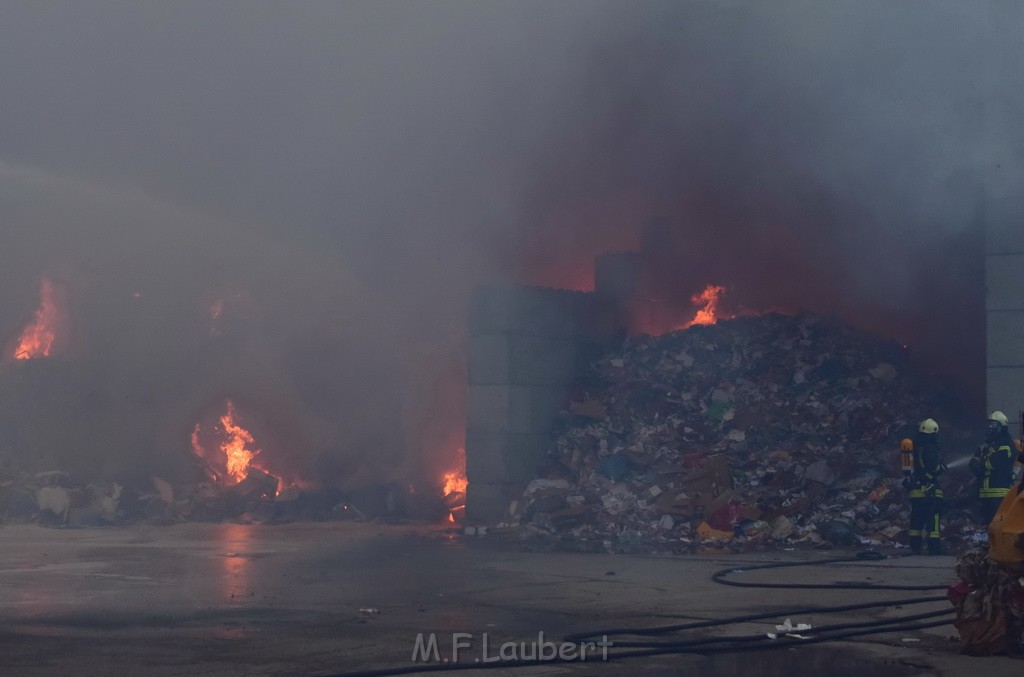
999 417
929 426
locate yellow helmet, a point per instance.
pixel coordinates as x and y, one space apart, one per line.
999 417
929 426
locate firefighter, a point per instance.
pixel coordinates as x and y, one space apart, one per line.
922 467
993 465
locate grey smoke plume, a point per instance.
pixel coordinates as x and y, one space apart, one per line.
343 174
296 340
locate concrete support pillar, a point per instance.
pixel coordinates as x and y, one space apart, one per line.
527 347
1004 305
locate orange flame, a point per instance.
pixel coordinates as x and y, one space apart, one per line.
708 300
454 485
37 338
455 482
235 447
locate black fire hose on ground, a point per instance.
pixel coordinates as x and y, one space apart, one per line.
700 625
734 643
865 556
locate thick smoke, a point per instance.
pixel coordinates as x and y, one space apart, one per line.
343 174
832 157
296 341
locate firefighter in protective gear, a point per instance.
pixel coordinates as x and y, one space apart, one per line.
993 465
922 466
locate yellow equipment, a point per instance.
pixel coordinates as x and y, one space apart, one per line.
1006 530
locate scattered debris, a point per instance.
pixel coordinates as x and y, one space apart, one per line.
787 629
164 489
55 499
989 603
58 499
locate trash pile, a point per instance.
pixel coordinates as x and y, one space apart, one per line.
961 527
989 603
754 431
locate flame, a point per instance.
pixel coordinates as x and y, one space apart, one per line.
37 338
708 300
657 317
236 447
455 482
454 485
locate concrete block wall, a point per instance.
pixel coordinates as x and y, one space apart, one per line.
539 311
527 346
1004 305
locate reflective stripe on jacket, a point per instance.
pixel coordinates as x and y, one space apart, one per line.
997 463
920 493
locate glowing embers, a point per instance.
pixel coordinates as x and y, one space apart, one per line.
707 303
453 489
39 338
215 314
229 450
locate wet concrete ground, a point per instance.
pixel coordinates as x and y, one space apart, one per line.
285 600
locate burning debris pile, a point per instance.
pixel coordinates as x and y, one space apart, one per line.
741 433
454 489
230 458
229 484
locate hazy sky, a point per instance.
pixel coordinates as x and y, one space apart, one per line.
820 155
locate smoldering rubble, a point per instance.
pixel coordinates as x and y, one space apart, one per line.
61 499
751 433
